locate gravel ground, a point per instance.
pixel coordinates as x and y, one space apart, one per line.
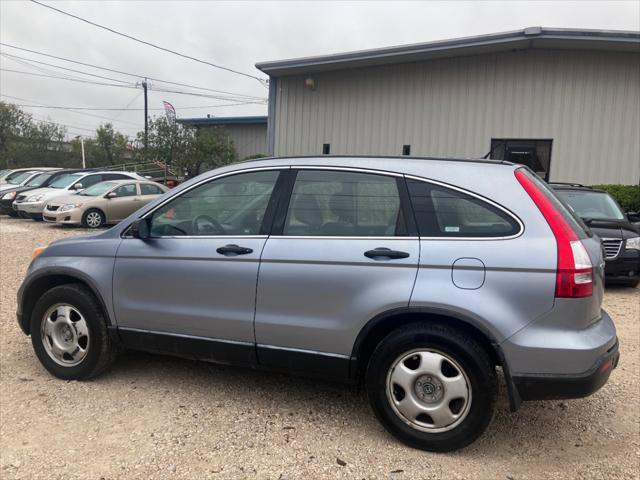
162 417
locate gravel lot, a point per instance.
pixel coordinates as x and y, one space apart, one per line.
161 417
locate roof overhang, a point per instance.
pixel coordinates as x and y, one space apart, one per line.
529 38
223 120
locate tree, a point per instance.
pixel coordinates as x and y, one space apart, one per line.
25 142
187 150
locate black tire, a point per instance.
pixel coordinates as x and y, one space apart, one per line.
100 351
95 213
470 356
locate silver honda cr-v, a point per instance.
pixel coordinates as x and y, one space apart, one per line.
415 276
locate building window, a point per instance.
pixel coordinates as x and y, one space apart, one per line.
326 148
535 154
406 150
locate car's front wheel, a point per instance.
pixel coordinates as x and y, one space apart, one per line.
93 218
431 386
69 333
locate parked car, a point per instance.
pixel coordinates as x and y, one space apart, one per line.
102 204
9 174
43 179
32 203
415 276
620 238
19 179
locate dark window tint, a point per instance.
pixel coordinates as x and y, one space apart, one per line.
444 212
90 180
128 190
150 189
233 205
326 203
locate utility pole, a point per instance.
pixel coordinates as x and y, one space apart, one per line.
84 165
146 116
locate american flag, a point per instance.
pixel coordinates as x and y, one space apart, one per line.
170 112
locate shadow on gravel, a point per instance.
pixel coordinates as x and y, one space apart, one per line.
344 405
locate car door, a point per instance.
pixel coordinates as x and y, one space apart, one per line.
343 249
194 280
126 201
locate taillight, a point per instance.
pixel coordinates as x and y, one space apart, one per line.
574 274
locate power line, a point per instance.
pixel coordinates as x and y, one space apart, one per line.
179 84
130 37
66 78
56 107
29 61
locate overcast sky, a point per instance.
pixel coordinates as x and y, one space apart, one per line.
235 35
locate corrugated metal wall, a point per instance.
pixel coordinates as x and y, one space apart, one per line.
587 102
248 138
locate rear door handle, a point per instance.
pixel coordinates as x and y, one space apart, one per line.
385 252
233 249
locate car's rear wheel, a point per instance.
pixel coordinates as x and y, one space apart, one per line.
432 387
93 218
69 333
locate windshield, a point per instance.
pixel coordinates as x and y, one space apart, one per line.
66 180
592 205
98 189
38 180
19 178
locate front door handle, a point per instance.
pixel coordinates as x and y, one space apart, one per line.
233 249
385 252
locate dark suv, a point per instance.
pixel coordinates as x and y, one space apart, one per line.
620 237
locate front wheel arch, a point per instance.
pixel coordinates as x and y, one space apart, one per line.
38 286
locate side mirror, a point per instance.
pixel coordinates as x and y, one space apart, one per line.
111 195
77 186
140 229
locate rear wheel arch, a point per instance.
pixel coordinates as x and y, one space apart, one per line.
383 324
43 283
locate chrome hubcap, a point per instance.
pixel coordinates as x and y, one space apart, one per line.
428 390
65 335
94 219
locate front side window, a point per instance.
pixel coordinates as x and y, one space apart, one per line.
444 212
232 205
128 190
344 204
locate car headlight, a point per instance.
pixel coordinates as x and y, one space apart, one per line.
9 196
633 243
35 198
69 206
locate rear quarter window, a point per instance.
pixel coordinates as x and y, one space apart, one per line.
448 213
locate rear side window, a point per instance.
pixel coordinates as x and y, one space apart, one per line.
150 189
444 212
344 204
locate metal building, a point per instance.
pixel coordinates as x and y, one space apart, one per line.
565 102
248 134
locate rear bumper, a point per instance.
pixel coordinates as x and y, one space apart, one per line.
544 387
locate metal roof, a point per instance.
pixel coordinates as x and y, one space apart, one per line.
532 37
223 120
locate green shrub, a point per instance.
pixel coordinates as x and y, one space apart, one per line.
628 196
